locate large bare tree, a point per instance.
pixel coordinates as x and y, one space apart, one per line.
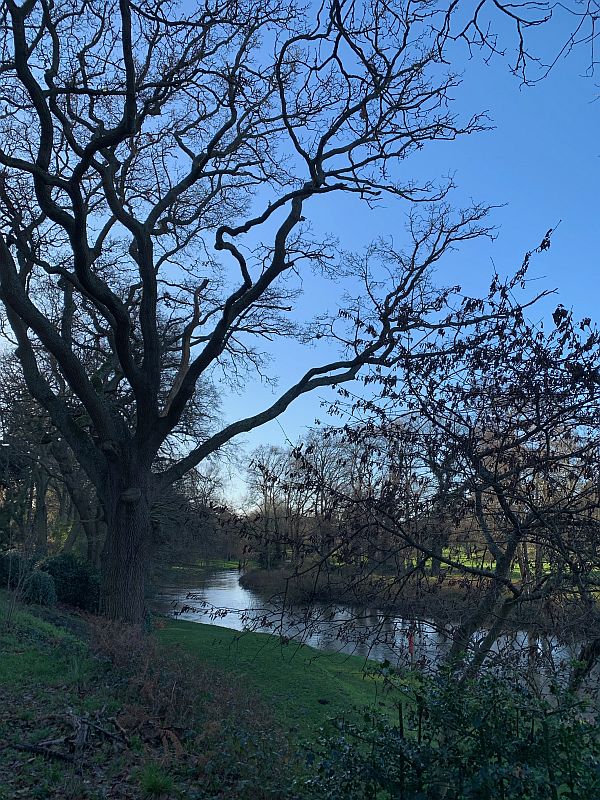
157 164
492 477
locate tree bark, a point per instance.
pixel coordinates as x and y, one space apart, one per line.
437 547
95 536
486 607
40 517
126 551
589 654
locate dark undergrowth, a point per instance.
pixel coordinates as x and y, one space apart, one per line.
91 710
96 711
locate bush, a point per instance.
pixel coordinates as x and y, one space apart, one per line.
39 588
15 566
76 582
486 740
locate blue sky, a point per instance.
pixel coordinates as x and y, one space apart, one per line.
541 163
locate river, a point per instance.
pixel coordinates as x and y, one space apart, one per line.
217 598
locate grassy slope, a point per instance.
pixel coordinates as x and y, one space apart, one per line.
243 694
46 673
304 685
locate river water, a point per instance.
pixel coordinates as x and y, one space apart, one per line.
217 598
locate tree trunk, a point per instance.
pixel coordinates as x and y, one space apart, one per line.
40 517
126 552
72 537
84 500
95 535
589 654
485 608
438 536
437 548
463 633
485 646
524 566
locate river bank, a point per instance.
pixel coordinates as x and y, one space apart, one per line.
93 710
445 599
203 594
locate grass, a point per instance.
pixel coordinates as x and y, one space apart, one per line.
154 781
34 650
44 669
204 712
221 563
303 685
378 580
203 564
188 573
153 730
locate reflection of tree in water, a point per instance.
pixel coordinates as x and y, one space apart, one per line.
465 492
540 660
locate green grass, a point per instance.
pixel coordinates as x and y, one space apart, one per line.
154 781
48 674
304 686
221 563
201 564
34 650
243 704
186 574
43 667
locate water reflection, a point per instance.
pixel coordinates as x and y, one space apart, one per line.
369 633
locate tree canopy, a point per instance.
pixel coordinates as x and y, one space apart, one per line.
159 163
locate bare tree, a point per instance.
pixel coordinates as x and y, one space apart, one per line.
58 484
503 492
470 487
158 162
266 477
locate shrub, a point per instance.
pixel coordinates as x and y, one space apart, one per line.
39 588
486 739
15 566
77 583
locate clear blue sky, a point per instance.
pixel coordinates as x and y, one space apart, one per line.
542 162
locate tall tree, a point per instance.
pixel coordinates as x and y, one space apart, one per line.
507 431
157 164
